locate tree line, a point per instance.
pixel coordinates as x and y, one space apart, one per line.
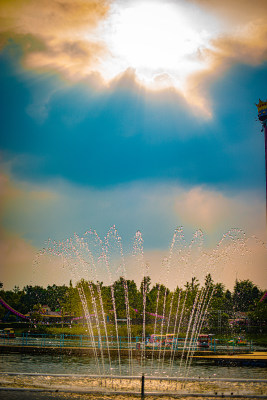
127 299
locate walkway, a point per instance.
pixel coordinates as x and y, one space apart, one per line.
256 358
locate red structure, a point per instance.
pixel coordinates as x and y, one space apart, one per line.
262 115
264 297
18 314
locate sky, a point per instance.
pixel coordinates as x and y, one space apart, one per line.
138 114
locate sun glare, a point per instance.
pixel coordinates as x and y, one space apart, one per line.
159 41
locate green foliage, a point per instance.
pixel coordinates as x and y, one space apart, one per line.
258 316
246 295
36 314
218 321
158 299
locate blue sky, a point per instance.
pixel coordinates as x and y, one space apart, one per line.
81 149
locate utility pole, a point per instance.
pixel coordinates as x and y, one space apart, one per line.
262 115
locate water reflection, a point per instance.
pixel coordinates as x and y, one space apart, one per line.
65 364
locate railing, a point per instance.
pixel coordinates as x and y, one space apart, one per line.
83 341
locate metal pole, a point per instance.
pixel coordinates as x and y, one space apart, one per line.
143 387
264 129
265 139
262 116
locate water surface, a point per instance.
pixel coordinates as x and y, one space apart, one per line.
66 364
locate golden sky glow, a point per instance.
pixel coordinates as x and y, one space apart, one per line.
160 41
167 44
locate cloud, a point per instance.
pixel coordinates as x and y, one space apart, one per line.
237 12
215 211
108 130
156 208
66 36
248 48
203 208
241 40
8 192
52 17
21 264
71 58
17 257
20 205
19 202
57 34
33 213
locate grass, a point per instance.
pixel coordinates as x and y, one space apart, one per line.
258 339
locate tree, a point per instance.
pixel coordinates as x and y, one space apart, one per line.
71 303
193 285
209 281
152 298
218 321
145 284
122 289
218 290
245 295
36 314
228 301
107 299
33 295
258 317
191 289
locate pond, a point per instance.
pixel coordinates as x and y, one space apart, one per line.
66 364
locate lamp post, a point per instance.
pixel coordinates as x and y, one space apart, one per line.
262 115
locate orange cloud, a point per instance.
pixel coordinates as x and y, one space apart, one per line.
52 16
204 208
234 12
8 193
17 257
249 47
21 266
20 202
17 253
212 210
52 33
11 192
242 39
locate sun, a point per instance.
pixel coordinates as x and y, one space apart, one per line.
159 40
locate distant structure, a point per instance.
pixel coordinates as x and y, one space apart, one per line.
262 115
264 297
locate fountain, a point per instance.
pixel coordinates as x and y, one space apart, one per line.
88 258
160 337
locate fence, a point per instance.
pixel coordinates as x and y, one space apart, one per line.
111 342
